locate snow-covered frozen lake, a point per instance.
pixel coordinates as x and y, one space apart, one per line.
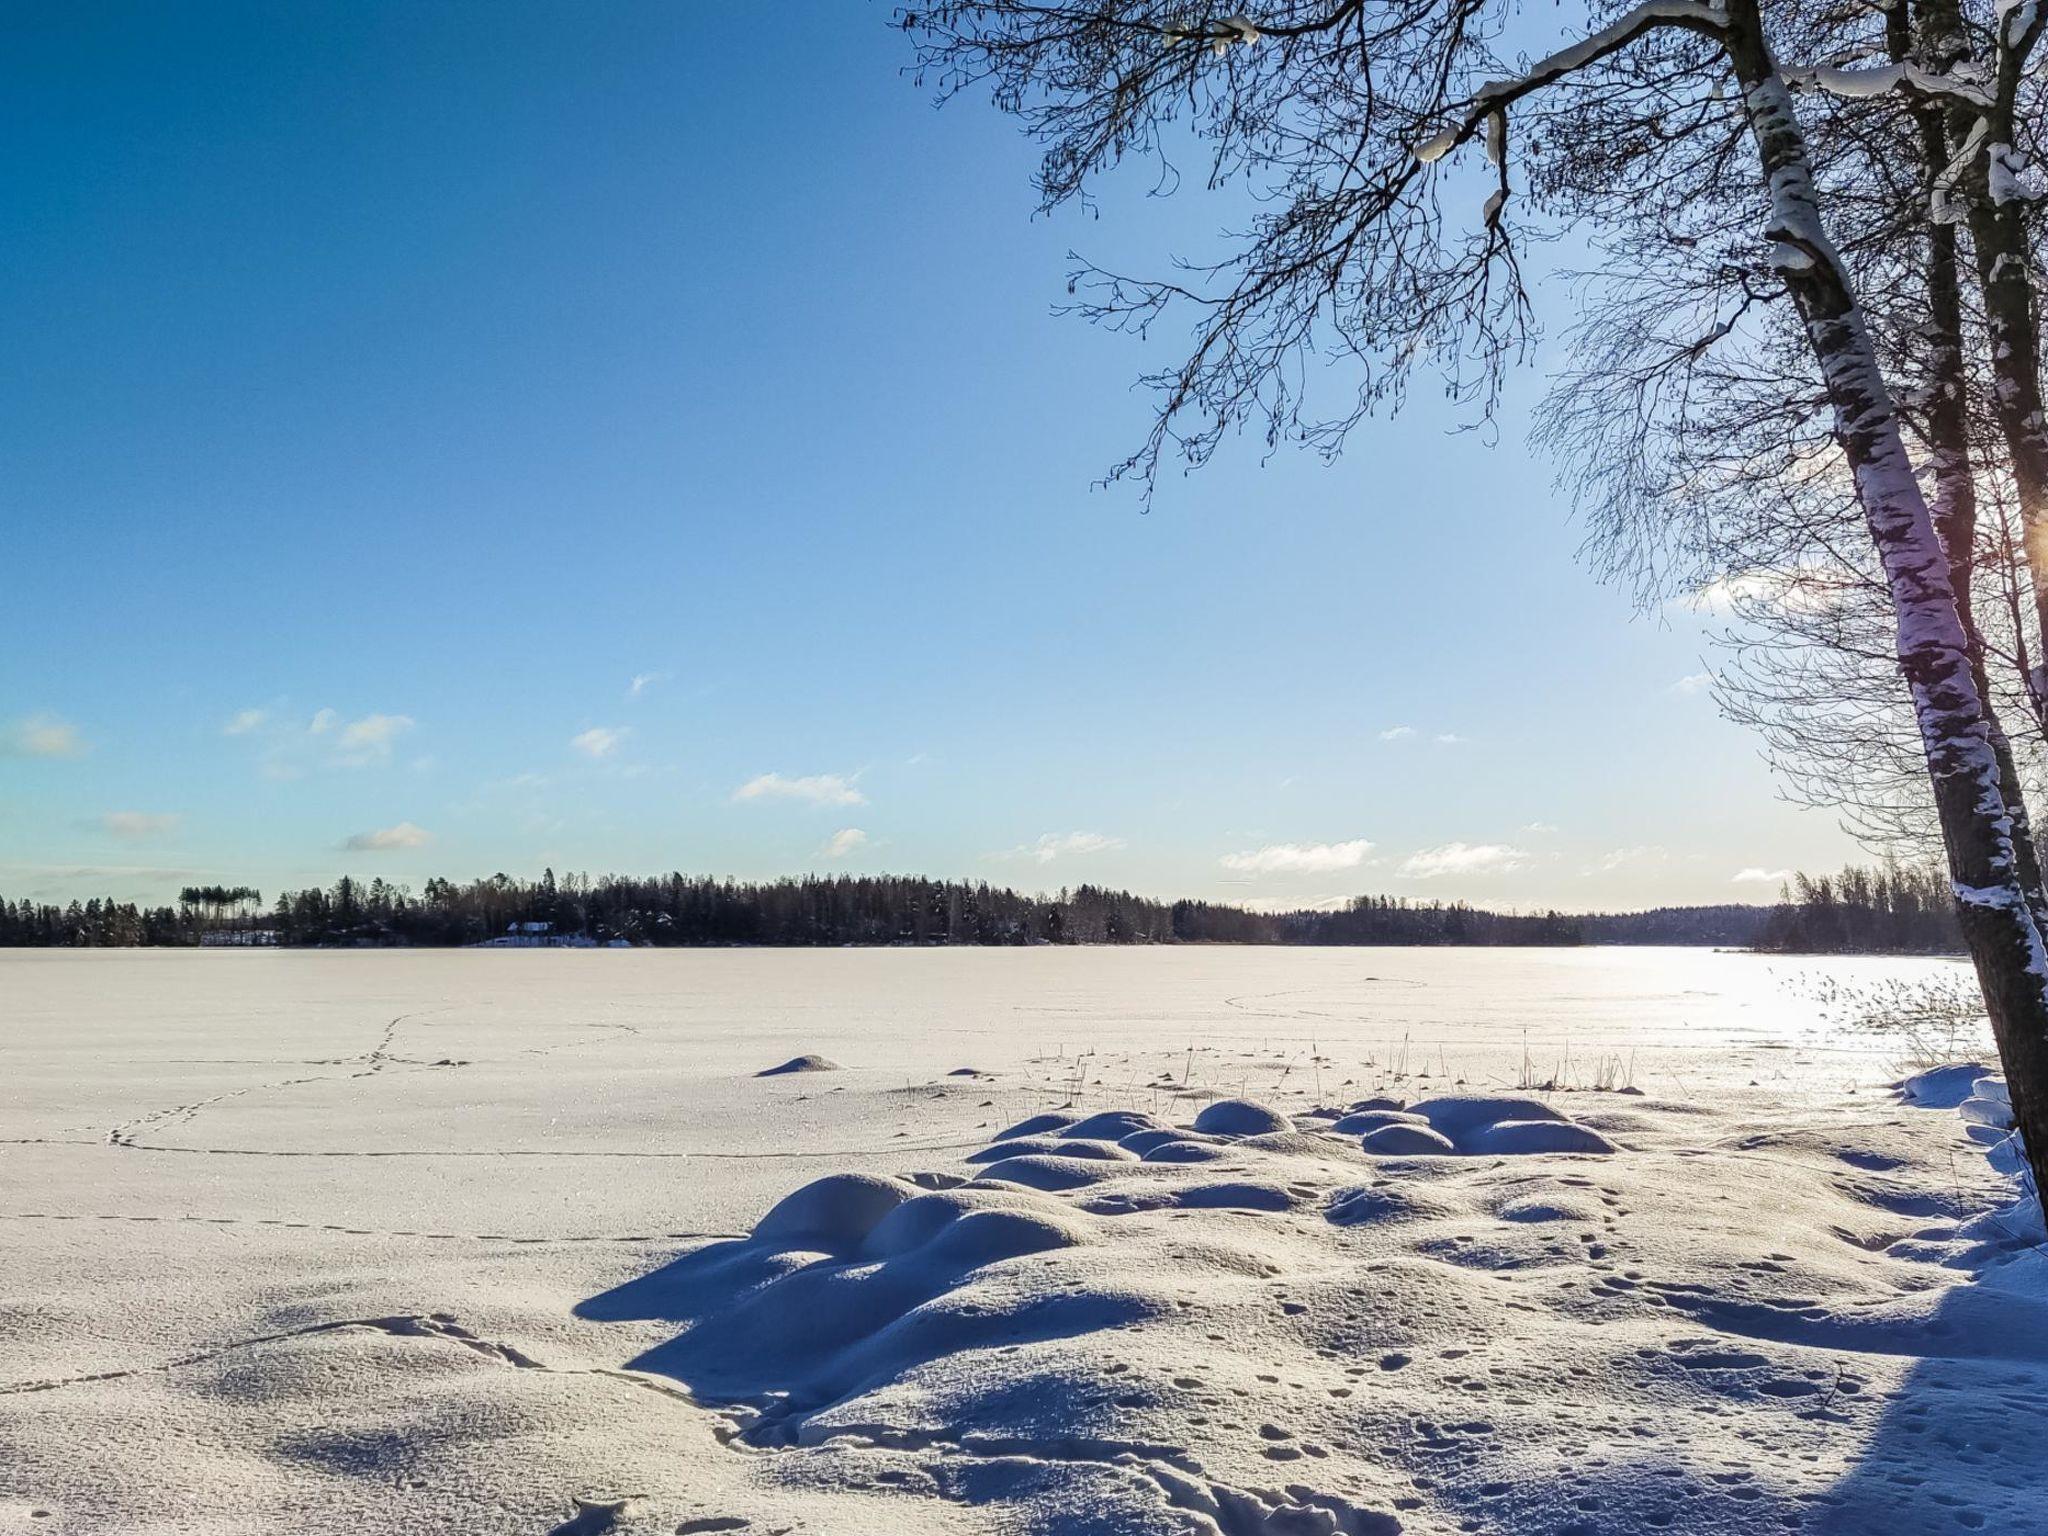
392 1241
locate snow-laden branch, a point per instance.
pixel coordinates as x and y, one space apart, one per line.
1493 98
2016 20
1867 84
2005 172
1943 208
1231 29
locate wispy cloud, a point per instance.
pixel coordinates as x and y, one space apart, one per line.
642 681
1755 875
1062 845
138 826
41 736
1463 859
326 740
370 740
813 788
1448 739
1539 828
843 842
599 740
1691 683
387 839
1397 733
1298 858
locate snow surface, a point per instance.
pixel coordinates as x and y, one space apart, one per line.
520 1242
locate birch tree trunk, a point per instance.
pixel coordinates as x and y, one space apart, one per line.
1998 235
1981 828
1951 466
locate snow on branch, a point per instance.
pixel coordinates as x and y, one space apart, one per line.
1943 207
1867 84
2018 20
1231 29
2005 174
1493 98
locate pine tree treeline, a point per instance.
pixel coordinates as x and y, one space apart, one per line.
1889 910
1884 910
676 909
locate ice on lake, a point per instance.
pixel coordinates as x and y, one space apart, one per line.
455 1240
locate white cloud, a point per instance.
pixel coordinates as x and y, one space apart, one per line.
42 736
642 681
815 788
1756 876
1298 858
846 840
1450 739
1463 859
385 839
1693 682
138 826
599 740
1539 828
369 740
327 741
1060 845
1397 733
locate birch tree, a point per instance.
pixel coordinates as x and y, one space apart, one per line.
1400 156
1704 451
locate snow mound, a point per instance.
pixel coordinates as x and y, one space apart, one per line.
1517 1138
1941 1087
799 1064
1111 1125
916 1222
1141 1142
1291 1144
834 1212
1408 1141
2008 1156
1459 1115
1052 1146
1480 1125
1240 1117
1994 1114
1359 1121
1269 1335
1037 1171
1987 1112
1375 1101
1038 1125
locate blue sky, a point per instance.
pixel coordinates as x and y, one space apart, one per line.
451 438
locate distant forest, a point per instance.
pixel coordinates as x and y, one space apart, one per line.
1889 910
1885 910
